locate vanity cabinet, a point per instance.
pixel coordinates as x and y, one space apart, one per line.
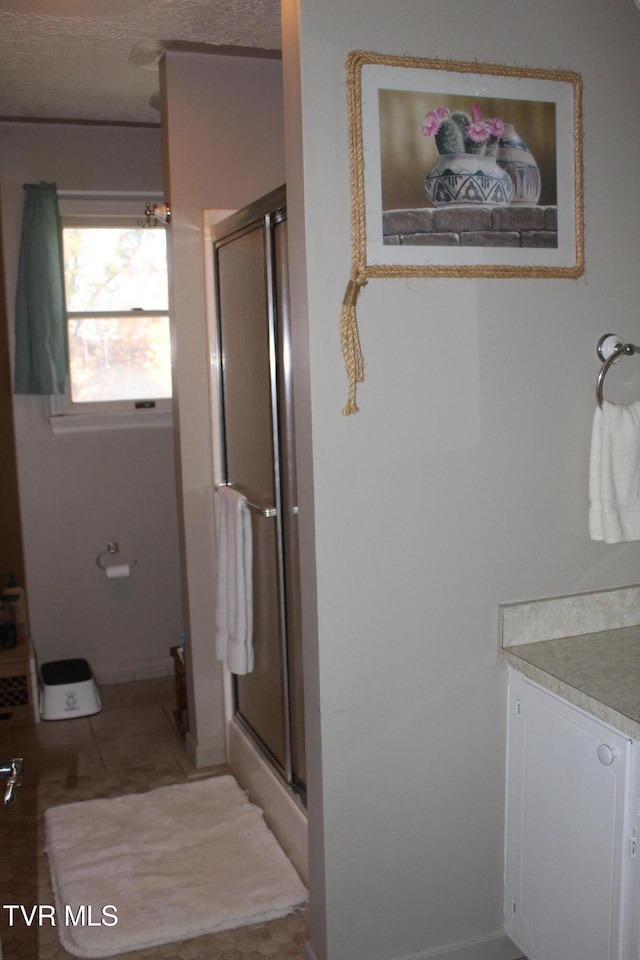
572 814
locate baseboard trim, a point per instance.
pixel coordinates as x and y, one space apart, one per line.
495 947
125 673
205 753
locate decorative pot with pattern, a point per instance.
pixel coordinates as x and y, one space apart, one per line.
516 158
468 178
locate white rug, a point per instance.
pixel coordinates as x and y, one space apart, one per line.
171 864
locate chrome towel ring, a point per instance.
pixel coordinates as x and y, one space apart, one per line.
610 348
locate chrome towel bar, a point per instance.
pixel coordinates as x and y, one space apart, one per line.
261 511
610 348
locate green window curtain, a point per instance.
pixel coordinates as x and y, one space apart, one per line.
41 343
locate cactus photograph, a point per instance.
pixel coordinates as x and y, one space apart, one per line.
417 129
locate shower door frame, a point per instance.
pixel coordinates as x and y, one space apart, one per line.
270 211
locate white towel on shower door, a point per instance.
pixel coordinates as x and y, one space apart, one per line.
234 589
614 473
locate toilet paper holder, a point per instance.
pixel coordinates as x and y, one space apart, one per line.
112 548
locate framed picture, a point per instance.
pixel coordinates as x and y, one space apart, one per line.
464 169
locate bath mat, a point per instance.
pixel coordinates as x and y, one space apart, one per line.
158 867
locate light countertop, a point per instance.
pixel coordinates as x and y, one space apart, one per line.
599 672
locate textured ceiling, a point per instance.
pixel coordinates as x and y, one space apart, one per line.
72 59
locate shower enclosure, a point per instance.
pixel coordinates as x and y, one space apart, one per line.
254 443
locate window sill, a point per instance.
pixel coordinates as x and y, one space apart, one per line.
126 420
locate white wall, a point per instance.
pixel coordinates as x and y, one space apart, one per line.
80 491
223 148
461 484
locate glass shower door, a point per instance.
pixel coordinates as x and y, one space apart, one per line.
257 417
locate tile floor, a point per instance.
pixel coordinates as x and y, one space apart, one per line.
130 747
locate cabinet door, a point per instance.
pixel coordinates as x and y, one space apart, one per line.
567 779
633 893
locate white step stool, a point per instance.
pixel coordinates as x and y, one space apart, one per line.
68 690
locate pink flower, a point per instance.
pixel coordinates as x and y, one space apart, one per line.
433 121
495 127
478 130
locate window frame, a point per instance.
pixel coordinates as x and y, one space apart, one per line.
66 415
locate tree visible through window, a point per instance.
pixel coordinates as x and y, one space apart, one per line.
117 308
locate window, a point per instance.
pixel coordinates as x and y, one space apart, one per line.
116 291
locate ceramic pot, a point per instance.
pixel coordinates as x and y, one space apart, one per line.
516 158
469 179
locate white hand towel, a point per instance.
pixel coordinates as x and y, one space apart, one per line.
234 589
614 473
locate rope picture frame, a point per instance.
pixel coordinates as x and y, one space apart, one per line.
459 169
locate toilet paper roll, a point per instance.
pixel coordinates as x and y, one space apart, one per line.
118 571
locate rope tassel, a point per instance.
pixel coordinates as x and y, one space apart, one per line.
350 339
